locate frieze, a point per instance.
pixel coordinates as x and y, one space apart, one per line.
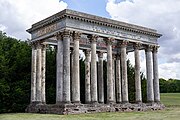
46 30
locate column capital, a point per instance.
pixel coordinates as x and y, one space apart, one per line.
149 48
100 54
155 48
93 38
109 40
58 35
137 45
33 44
124 43
76 35
66 33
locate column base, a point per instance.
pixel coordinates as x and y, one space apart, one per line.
110 102
59 102
125 102
138 102
94 102
76 102
66 102
36 102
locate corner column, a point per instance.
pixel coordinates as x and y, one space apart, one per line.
33 72
59 69
100 78
66 66
110 89
39 73
75 79
124 72
150 91
43 91
94 97
87 77
137 73
156 75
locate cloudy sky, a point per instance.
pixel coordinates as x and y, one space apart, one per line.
164 15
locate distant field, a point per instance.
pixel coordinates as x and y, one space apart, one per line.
172 112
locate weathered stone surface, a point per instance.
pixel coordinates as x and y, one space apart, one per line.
100 78
87 77
33 74
150 91
124 73
59 70
91 108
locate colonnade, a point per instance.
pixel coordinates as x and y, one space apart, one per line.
68 83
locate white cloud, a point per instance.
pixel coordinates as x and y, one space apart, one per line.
161 15
18 15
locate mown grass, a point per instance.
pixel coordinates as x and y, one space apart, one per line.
170 99
172 112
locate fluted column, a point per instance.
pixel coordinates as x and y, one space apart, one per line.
137 73
33 73
66 66
110 89
87 77
124 72
75 80
43 92
156 75
59 69
100 78
94 97
39 73
150 91
118 79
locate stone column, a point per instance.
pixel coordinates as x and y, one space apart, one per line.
110 88
43 92
94 97
66 67
113 76
87 77
71 66
137 73
156 75
100 78
33 73
124 72
118 79
59 69
150 91
39 73
75 80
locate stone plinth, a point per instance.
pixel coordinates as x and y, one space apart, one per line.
91 108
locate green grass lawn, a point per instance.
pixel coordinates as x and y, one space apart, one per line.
172 112
170 99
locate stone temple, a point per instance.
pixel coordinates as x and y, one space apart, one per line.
71 31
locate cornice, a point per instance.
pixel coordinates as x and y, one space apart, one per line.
71 14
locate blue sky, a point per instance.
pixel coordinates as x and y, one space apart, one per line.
96 7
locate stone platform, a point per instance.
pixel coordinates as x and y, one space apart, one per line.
91 108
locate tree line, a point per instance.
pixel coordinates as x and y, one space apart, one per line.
15 76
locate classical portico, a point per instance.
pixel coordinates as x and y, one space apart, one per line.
71 31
